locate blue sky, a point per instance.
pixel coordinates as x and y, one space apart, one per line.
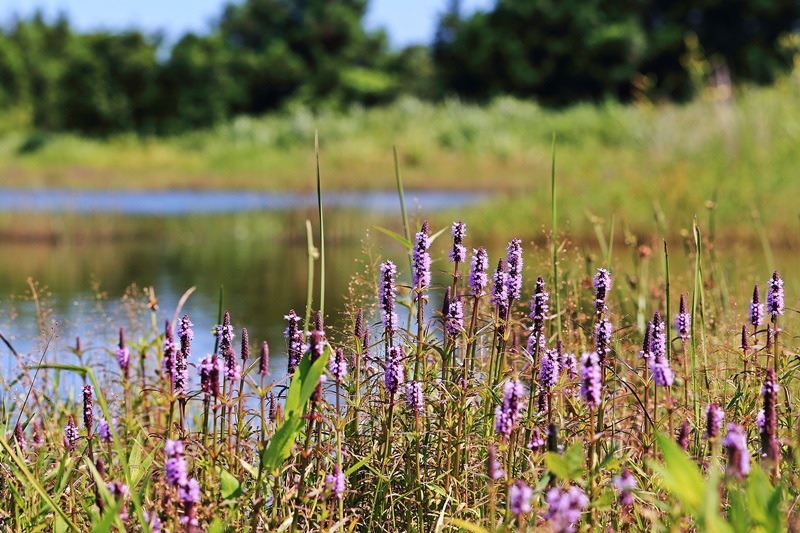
407 21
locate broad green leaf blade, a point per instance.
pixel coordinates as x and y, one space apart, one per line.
680 476
229 485
399 238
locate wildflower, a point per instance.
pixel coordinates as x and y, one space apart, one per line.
507 414
745 342
358 330
263 361
625 483
569 364
714 417
336 482
318 321
499 288
454 322
775 301
119 491
458 254
756 315
170 347
658 337
683 435
386 297
564 508
519 497
683 321
224 333
548 372
175 466
19 438
316 350
338 366
735 443
71 434
537 442
395 373
273 407
602 336
478 279
414 397
770 448
245 352
514 276
602 285
123 355
233 372
104 429
645 353
190 495
88 410
421 259
662 374
152 519
539 312
591 379
295 345
38 439
493 468
186 335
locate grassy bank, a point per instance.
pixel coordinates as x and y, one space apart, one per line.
649 159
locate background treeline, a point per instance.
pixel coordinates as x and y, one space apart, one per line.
263 55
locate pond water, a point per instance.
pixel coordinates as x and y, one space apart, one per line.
86 249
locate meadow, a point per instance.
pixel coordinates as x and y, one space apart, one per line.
644 163
534 388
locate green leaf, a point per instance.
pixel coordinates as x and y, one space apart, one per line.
229 485
680 476
399 238
435 235
466 526
569 466
216 526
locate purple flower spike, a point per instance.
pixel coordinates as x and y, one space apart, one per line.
564 509
123 355
539 313
415 400
537 442
493 468
263 362
71 434
421 259
602 286
386 297
458 253
514 275
478 279
224 333
19 438
658 337
338 366
625 483
104 429
683 321
602 337
775 300
170 348
499 289
569 364
175 466
662 373
714 417
735 444
770 449
190 495
295 341
756 314
548 372
591 379
454 323
519 497
507 415
395 372
336 482
645 353
185 334
683 435
88 410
